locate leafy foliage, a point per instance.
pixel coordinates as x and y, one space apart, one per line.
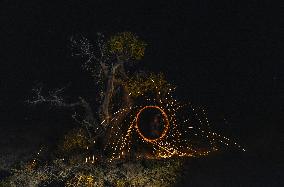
81 179
75 139
120 173
139 85
126 46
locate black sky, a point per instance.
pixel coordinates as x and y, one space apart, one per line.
226 56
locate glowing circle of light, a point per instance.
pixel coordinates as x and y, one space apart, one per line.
165 118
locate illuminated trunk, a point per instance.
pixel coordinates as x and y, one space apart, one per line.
107 99
113 82
108 94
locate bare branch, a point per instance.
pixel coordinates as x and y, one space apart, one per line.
83 48
55 98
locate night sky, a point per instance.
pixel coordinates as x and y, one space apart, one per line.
226 56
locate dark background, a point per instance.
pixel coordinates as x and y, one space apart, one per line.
225 56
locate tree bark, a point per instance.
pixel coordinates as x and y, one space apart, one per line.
108 94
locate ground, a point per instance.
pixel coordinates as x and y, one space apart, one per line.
226 169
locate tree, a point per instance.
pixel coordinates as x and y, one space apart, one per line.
125 94
106 61
125 101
